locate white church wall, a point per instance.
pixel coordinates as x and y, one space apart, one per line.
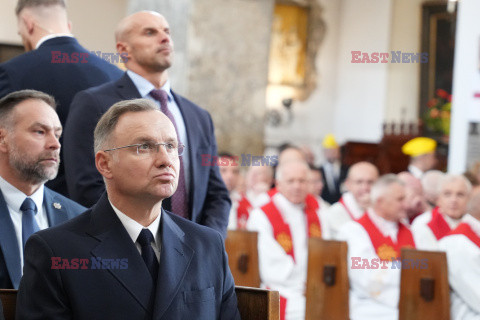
466 82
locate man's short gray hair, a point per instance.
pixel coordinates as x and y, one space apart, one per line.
8 103
22 4
107 123
449 178
380 187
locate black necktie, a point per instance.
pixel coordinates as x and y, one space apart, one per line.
145 238
29 224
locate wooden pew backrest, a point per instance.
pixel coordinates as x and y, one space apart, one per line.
242 250
424 289
9 302
327 280
258 304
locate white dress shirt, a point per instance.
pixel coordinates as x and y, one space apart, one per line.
416 172
51 36
332 174
134 228
14 199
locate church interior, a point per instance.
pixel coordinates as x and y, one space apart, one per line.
366 76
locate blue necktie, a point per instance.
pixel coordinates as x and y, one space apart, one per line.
29 224
145 238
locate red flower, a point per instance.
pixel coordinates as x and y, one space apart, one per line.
442 93
432 102
449 98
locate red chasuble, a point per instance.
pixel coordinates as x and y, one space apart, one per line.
281 230
466 230
385 248
438 225
243 212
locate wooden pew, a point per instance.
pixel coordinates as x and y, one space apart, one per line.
258 304
242 250
9 302
424 290
327 280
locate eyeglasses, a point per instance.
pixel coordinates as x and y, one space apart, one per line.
149 148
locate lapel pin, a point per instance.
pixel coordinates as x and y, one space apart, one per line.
57 205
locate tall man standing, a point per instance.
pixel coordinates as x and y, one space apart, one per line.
55 62
333 171
29 156
166 267
422 155
144 39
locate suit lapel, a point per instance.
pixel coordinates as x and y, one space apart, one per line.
126 88
56 210
9 244
115 243
190 124
175 258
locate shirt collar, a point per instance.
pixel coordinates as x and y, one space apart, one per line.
452 223
416 172
144 86
14 197
386 227
286 204
134 228
51 36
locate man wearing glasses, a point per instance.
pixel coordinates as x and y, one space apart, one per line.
153 264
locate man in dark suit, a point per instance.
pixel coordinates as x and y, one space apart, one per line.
126 257
333 171
144 39
29 156
55 62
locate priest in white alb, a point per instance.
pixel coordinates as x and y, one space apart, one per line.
463 255
374 241
354 203
284 226
431 226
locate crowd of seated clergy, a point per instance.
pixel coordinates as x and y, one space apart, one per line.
376 216
115 121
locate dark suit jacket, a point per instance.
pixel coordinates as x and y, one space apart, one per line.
209 198
327 195
35 70
59 209
194 279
